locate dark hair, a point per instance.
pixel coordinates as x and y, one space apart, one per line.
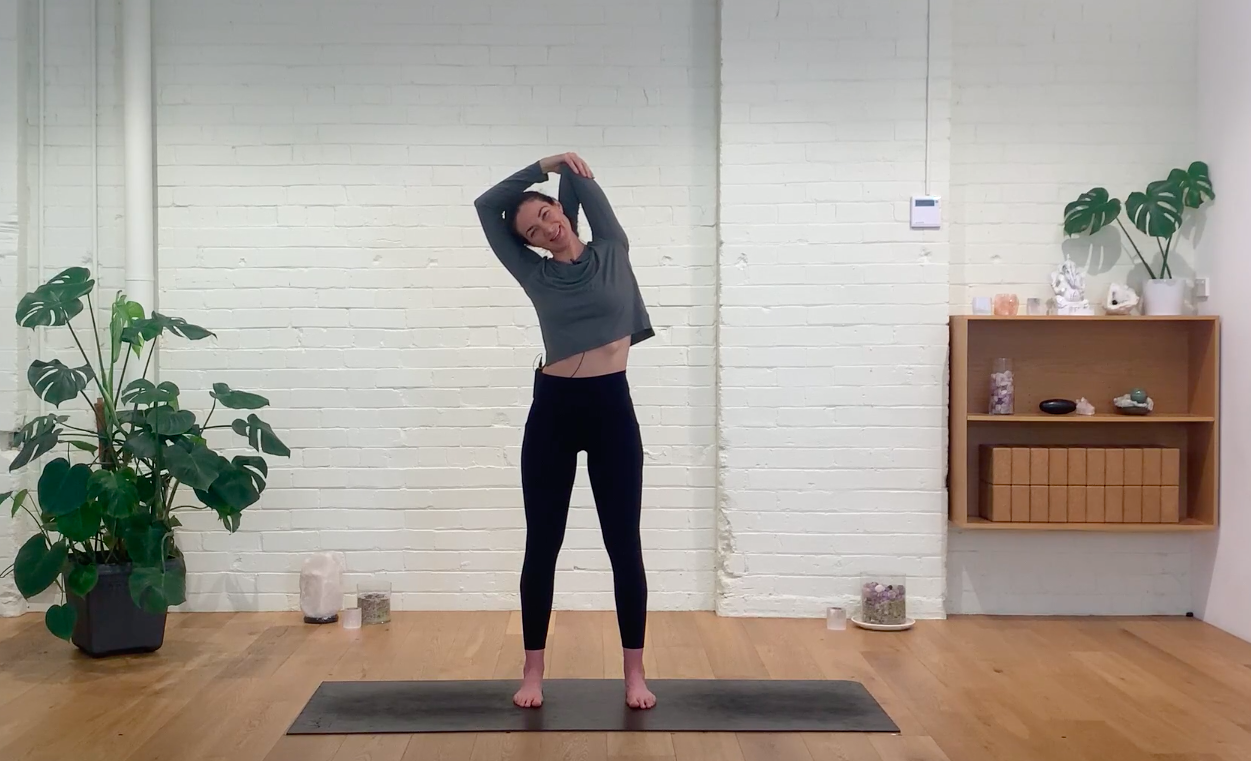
510 217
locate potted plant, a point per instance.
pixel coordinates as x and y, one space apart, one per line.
1156 212
106 523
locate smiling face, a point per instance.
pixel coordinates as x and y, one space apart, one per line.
543 224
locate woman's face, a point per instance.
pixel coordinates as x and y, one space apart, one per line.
544 225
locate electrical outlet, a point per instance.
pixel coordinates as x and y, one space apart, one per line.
1203 288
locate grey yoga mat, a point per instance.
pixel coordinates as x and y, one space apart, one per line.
592 705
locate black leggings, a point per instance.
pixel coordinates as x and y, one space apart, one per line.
567 416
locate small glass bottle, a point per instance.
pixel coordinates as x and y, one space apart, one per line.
1002 388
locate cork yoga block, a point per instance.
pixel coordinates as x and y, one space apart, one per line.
1079 484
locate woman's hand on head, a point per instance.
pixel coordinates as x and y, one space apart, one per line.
573 160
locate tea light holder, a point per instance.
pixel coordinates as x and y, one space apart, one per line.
836 619
350 618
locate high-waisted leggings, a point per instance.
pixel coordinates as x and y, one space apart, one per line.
593 415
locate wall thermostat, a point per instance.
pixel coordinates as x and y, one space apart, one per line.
926 213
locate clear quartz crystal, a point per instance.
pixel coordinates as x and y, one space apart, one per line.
1002 388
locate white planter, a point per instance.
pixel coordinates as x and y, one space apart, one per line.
1163 297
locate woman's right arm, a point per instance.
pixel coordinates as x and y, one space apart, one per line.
492 205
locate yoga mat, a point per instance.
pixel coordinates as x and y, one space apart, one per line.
592 705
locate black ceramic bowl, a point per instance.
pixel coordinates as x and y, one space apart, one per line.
1057 406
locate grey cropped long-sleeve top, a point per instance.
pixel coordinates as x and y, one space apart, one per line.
581 305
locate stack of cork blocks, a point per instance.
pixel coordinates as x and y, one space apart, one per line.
1080 484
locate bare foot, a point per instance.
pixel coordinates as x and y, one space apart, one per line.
531 693
637 694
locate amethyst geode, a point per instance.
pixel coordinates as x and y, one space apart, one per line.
883 604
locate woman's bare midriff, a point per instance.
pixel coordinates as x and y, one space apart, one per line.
604 360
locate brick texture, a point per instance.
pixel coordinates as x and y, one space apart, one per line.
832 311
316 168
321 217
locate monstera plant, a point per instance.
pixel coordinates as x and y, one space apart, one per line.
106 508
1156 212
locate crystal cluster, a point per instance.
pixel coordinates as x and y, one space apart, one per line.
884 604
1002 393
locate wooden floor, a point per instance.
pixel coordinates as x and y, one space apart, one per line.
226 686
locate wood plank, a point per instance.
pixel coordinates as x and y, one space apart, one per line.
449 747
1098 689
707 746
372 748
768 746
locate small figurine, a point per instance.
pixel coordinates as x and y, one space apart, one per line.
1070 289
1121 299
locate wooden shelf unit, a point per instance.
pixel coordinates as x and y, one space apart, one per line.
1175 359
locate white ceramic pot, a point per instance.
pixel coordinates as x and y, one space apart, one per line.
1163 297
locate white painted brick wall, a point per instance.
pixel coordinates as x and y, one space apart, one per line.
1075 574
1051 100
832 311
11 167
320 217
317 164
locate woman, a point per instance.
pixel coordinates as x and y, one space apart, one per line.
590 314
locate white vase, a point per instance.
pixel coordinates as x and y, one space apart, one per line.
1163 297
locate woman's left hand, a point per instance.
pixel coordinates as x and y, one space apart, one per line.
573 160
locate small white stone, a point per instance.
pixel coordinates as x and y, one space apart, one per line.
1084 407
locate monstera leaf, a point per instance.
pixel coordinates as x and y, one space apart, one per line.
37 438
142 391
56 383
1157 212
1091 212
1195 183
236 487
17 500
80 525
82 579
60 620
149 328
123 316
167 421
155 588
117 491
260 436
38 564
256 468
63 487
196 468
237 400
57 301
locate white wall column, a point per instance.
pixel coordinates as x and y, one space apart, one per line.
1223 576
139 170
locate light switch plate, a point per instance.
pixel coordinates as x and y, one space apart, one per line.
1203 288
926 213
